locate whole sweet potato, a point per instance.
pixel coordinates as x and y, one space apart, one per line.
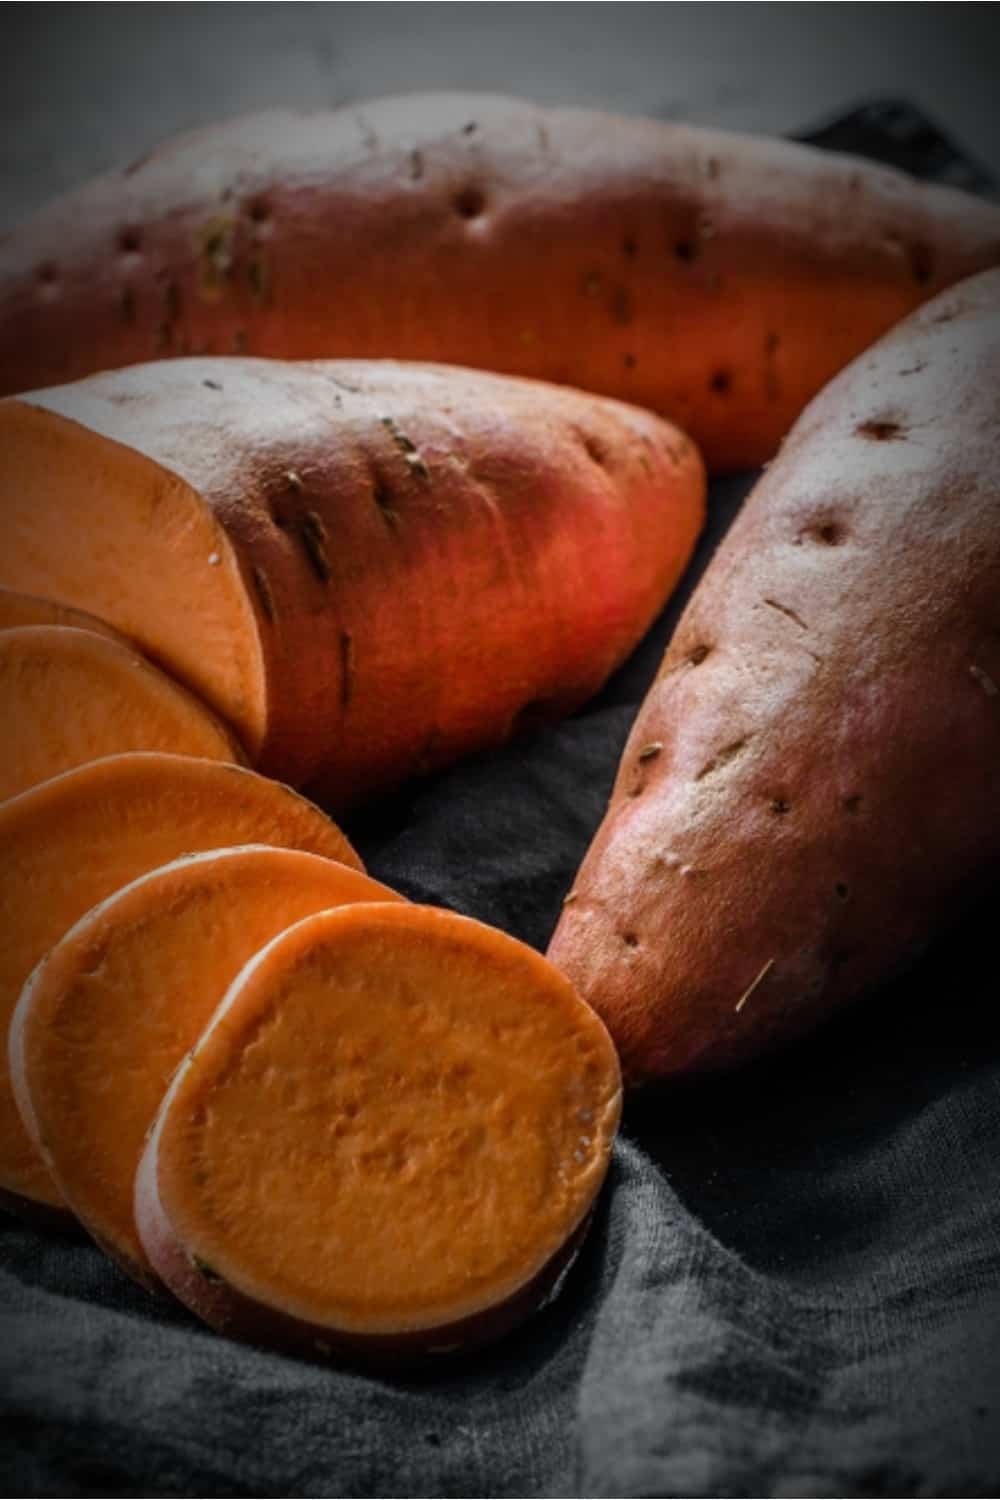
810 789
715 278
368 569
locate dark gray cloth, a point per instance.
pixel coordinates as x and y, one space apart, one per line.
792 1286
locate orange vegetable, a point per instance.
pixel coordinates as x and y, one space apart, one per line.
68 696
809 791
72 841
716 278
366 569
113 1008
387 1142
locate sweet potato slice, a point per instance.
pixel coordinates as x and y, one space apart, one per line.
388 1141
112 1009
717 278
74 840
68 696
18 609
368 569
809 791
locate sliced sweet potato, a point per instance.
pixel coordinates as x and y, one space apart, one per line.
72 841
68 696
367 569
112 1009
716 278
388 1140
18 609
809 791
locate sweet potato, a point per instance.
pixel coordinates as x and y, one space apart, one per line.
68 696
112 1009
72 841
366 569
30 609
809 790
718 279
387 1142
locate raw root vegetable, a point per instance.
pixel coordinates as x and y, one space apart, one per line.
68 696
367 569
716 278
112 1009
29 609
809 792
388 1141
72 841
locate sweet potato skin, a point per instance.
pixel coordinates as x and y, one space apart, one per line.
809 790
717 279
427 559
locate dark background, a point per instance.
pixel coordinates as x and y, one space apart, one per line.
793 1286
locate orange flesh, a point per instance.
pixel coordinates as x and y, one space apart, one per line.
68 696
73 841
190 612
31 609
397 1117
118 1002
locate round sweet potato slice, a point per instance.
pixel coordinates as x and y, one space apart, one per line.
386 1144
112 1009
68 696
72 841
18 609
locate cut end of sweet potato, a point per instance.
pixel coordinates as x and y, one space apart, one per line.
188 611
68 696
112 1010
388 1141
74 840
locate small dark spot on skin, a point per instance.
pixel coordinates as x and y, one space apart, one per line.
470 203
879 431
852 804
382 495
721 383
130 242
921 263
263 588
722 758
630 247
713 167
594 449
312 533
854 182
780 805
843 889
416 165
469 129
259 211
697 656
630 940
629 361
47 274
829 533
212 385
771 343
637 790
281 514
685 250
126 304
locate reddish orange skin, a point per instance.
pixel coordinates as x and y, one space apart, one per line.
426 559
809 791
718 279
